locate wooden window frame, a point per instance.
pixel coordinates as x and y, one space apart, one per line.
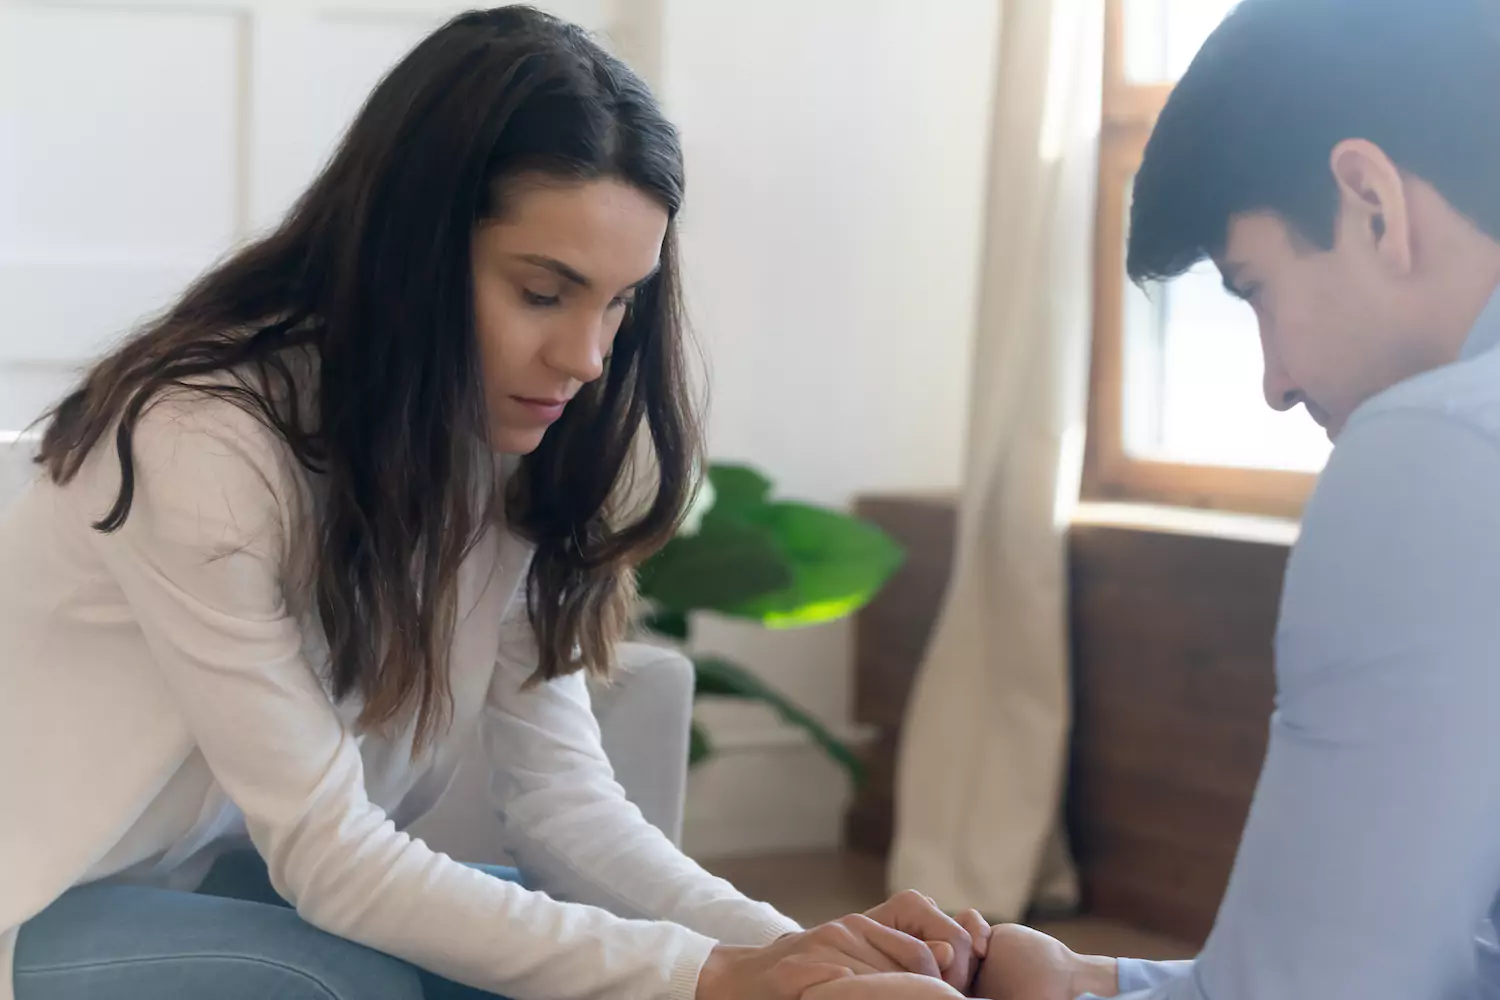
1110 472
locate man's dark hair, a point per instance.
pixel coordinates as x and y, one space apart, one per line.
1253 122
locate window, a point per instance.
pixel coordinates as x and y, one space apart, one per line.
1176 410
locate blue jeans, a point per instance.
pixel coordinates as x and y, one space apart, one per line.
233 939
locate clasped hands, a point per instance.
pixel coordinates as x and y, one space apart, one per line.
906 949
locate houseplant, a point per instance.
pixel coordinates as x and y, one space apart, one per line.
780 563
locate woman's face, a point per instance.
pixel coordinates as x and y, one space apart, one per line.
553 278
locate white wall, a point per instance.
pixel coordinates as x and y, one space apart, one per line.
140 139
836 160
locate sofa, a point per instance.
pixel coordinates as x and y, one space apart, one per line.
644 714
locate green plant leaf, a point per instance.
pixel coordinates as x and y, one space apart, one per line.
724 565
738 490
700 747
671 624
838 563
703 502
717 677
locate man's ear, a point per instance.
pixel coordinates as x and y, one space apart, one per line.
1374 215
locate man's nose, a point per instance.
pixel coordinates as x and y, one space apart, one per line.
1282 400
1281 393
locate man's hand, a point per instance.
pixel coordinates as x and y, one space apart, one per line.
854 945
1024 964
967 938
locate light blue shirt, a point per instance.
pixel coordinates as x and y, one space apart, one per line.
1370 865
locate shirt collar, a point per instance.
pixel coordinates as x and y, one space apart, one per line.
1486 333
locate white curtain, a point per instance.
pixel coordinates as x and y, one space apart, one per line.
983 758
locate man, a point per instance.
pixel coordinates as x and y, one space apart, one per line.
1339 160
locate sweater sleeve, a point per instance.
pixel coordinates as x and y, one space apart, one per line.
567 822
200 560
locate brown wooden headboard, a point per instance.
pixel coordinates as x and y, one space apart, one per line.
1172 678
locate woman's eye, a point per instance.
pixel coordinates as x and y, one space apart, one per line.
541 301
621 301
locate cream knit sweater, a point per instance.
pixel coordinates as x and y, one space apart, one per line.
160 697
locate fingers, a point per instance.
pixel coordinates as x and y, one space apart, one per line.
864 947
791 977
943 952
978 929
890 986
909 954
836 944
919 916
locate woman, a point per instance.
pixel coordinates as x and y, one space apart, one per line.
276 571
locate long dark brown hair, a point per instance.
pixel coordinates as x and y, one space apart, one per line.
370 278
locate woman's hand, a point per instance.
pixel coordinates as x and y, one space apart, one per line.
1024 964
967 937
854 945
891 986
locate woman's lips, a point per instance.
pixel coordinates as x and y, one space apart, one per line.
546 410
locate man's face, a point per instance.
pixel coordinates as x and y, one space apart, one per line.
1331 322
